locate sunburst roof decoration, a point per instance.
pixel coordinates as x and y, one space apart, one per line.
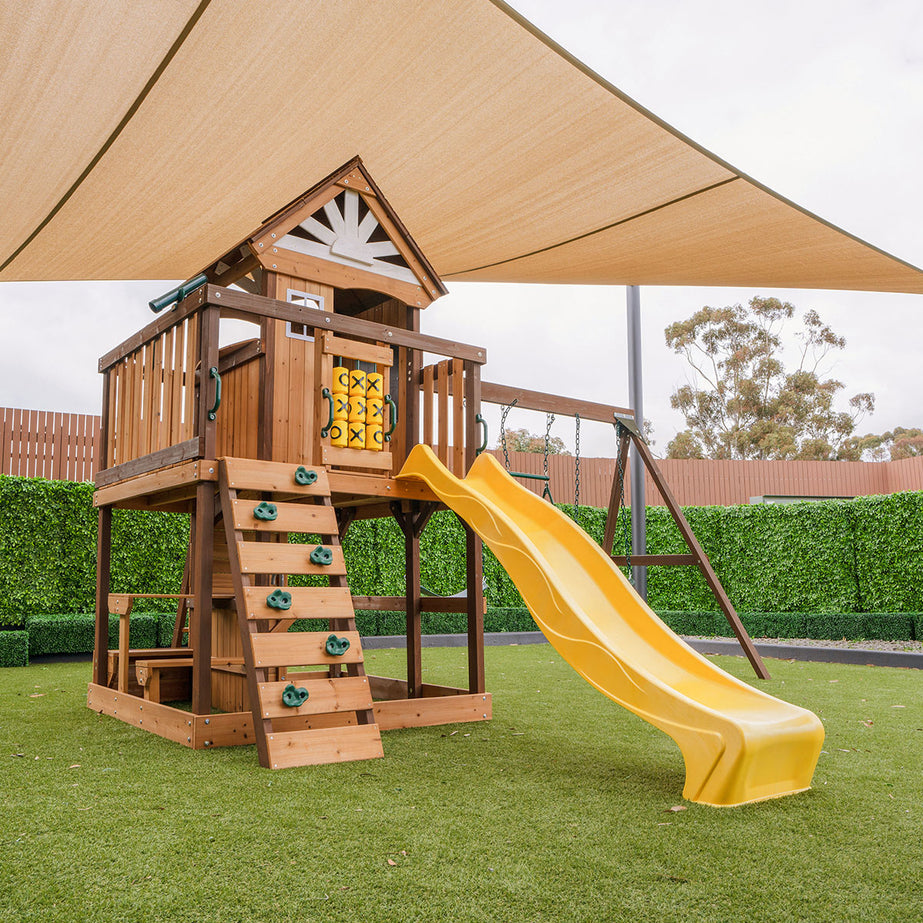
343 233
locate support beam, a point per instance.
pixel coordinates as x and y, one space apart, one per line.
636 400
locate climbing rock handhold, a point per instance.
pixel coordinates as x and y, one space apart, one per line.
293 696
279 599
322 555
336 647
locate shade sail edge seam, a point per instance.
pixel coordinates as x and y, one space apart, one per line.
587 71
113 137
607 227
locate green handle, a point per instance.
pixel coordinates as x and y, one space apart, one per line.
479 420
213 413
326 395
390 402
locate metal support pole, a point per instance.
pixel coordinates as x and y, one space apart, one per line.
636 401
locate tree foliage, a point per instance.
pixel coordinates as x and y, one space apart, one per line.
744 403
521 440
901 442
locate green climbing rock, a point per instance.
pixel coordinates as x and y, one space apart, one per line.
322 555
279 599
304 477
336 647
265 511
293 696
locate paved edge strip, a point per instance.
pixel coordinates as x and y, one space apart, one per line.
847 655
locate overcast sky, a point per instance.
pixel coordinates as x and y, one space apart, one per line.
821 101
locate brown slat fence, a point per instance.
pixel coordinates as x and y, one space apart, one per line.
47 444
63 446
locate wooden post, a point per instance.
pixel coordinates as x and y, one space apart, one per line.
714 584
475 579
103 573
200 628
474 562
267 372
103 551
618 489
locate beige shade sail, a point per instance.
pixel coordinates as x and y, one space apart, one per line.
143 140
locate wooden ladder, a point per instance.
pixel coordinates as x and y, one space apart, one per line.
335 722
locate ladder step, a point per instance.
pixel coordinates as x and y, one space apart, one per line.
279 477
290 517
345 693
283 558
323 745
308 602
302 648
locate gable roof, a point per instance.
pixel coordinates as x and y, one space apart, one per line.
483 131
342 230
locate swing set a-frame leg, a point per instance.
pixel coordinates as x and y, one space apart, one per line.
696 556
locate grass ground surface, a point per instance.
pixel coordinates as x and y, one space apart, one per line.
558 809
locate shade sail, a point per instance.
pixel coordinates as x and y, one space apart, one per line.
141 141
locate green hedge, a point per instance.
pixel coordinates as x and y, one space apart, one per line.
73 633
48 541
857 556
14 648
887 626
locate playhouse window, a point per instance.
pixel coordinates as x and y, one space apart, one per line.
300 331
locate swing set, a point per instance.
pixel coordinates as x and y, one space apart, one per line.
626 433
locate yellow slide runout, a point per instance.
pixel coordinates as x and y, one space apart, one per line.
738 743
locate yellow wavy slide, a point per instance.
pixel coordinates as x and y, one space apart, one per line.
738 743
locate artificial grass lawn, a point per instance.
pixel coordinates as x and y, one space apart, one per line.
558 809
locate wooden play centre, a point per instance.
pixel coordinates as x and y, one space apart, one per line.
301 426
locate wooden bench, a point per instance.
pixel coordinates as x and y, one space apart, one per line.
149 672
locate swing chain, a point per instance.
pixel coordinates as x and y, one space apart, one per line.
503 415
577 470
549 420
626 529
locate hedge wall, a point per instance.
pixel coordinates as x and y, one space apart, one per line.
858 556
14 648
48 549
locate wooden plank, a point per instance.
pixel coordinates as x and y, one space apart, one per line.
429 387
253 474
324 745
260 306
222 730
429 711
290 517
162 720
200 621
343 693
365 485
652 560
302 648
458 418
282 558
353 349
172 455
308 602
123 648
190 362
493 393
186 474
356 458
442 393
399 603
